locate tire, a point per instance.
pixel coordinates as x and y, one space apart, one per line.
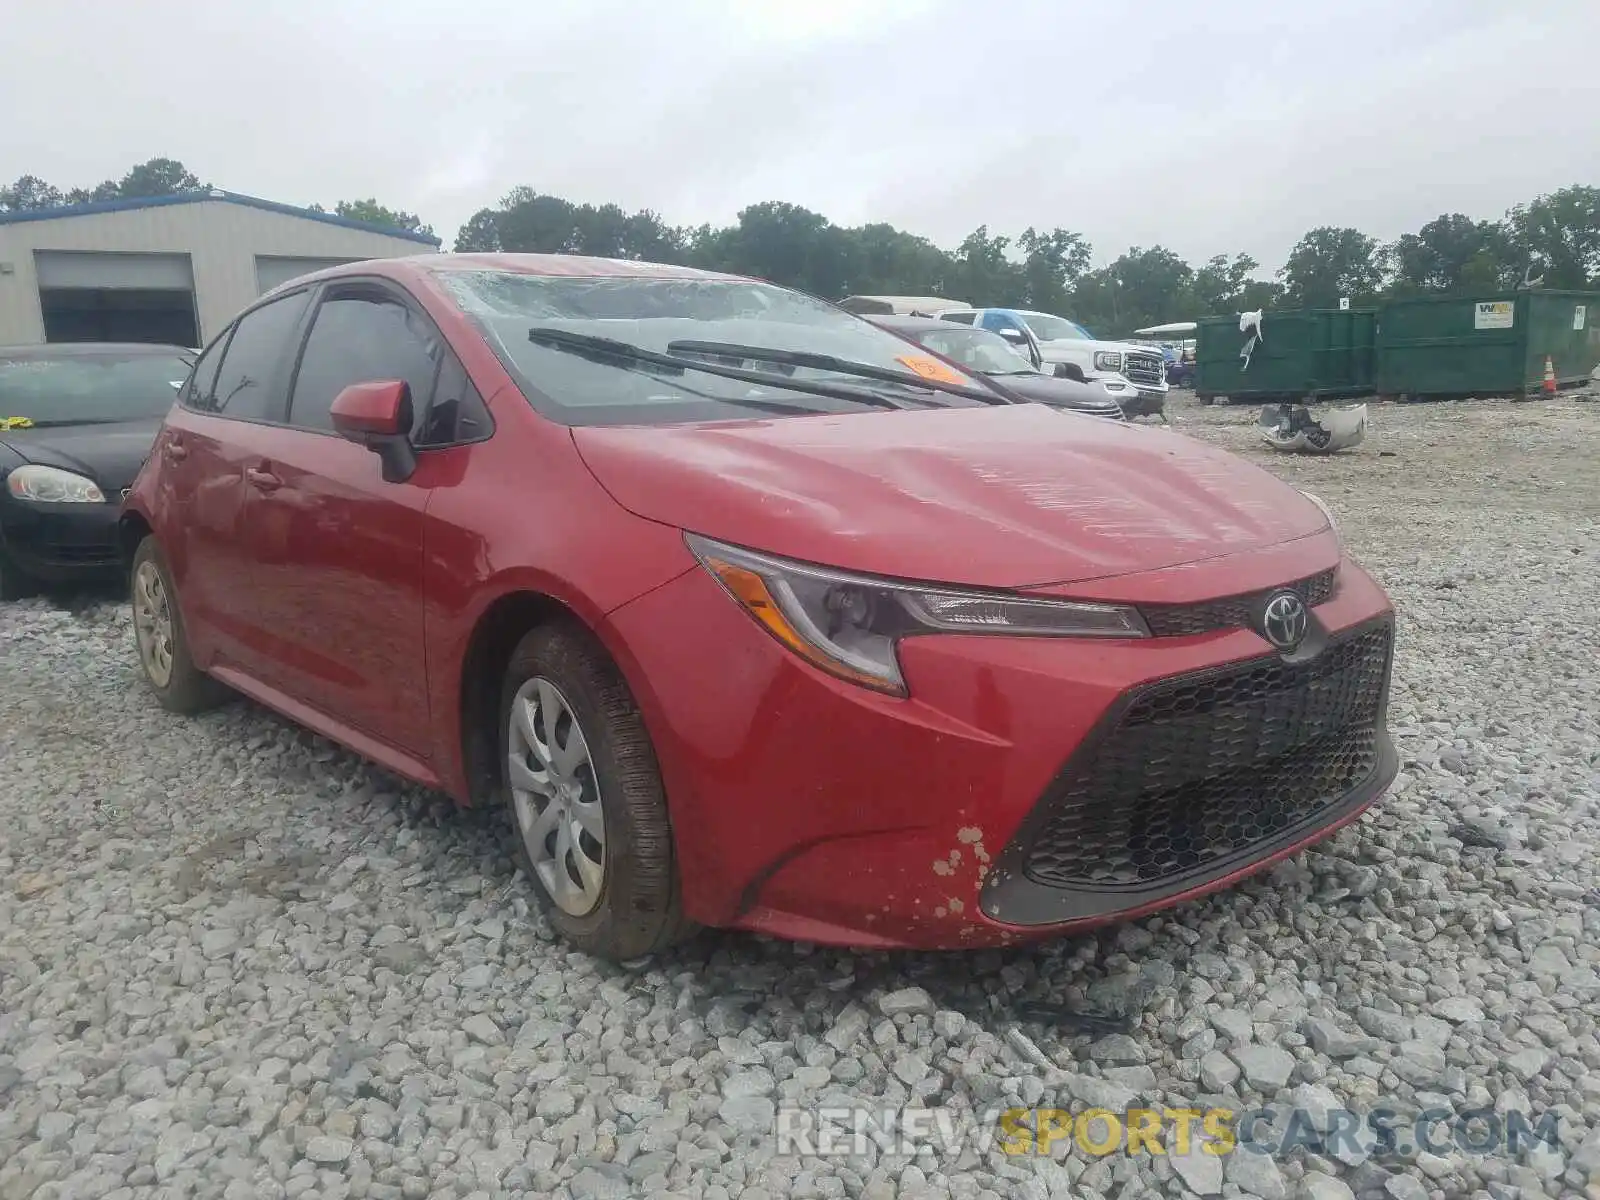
181 687
635 908
14 585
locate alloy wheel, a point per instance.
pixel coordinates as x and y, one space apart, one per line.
556 797
152 623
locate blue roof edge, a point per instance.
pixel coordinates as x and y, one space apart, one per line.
288 210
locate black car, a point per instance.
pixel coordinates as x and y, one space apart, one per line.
77 422
991 356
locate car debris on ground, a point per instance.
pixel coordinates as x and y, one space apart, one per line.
1292 427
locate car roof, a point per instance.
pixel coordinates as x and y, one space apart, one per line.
419 266
865 305
911 323
52 350
564 265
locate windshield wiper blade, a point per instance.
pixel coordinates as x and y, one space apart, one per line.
827 362
610 350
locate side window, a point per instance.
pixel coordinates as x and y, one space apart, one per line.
457 414
960 318
243 385
358 339
203 379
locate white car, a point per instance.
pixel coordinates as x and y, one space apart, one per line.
1135 375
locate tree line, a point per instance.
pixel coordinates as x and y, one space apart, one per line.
1553 238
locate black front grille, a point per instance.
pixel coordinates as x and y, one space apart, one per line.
1199 769
1144 369
1230 612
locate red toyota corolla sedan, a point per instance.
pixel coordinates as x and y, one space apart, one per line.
750 613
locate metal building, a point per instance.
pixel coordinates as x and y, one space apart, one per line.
166 269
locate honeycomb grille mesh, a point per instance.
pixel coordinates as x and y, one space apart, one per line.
1231 612
1200 769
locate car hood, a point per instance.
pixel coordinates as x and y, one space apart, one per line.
1009 496
1065 344
110 454
1061 393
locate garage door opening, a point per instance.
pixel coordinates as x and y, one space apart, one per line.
272 270
88 296
164 315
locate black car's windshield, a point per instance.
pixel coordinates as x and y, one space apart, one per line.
976 349
80 388
653 313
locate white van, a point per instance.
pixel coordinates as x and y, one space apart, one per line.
899 306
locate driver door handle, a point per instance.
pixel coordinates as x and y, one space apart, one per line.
265 481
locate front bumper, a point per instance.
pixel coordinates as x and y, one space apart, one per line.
1189 779
1144 403
1110 412
807 808
60 542
1136 400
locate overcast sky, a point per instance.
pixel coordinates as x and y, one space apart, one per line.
1205 127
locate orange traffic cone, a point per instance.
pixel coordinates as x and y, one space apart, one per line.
1549 376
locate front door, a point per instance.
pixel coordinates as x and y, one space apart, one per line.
336 553
233 395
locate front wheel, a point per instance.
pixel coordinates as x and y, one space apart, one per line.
169 668
586 798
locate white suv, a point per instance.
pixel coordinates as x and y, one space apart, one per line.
1135 375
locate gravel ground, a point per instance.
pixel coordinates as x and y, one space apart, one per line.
235 961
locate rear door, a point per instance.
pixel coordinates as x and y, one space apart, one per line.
236 390
336 552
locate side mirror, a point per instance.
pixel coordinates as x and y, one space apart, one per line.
1061 371
377 415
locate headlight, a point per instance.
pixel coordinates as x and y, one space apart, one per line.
849 625
52 485
1107 360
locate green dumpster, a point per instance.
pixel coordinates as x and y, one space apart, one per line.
1486 345
1313 354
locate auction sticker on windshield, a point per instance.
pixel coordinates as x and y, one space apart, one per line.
932 368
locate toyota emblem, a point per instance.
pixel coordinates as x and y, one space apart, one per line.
1285 620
